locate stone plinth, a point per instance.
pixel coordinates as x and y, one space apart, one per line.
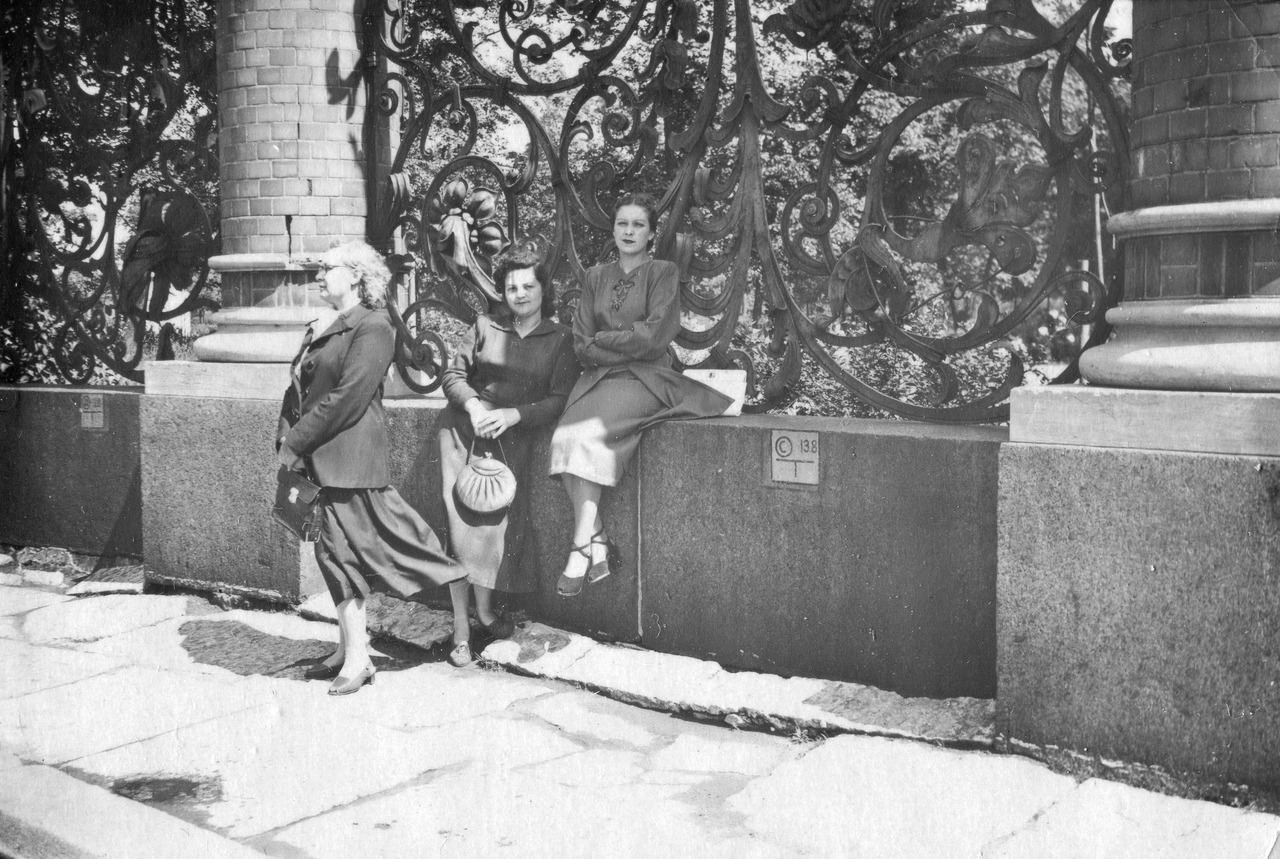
882 572
208 482
1189 421
1139 607
69 469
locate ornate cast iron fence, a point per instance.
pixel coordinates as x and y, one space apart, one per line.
110 173
906 194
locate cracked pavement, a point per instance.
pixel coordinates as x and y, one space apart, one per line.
162 725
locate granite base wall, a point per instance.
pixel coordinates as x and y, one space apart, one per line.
208 481
1139 607
883 573
69 469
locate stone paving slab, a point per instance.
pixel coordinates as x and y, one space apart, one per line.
1106 820
93 618
582 713
20 600
682 684
25 669
883 797
740 754
262 769
519 816
67 722
437 694
158 646
100 825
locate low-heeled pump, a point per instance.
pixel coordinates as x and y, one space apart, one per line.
345 686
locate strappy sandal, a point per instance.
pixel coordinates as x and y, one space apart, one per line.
612 558
569 586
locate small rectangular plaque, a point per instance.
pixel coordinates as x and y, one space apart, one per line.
93 414
796 457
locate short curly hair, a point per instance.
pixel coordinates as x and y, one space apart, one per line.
372 275
519 259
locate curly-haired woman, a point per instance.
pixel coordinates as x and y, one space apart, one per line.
333 426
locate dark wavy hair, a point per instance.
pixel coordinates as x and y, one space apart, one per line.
646 202
518 259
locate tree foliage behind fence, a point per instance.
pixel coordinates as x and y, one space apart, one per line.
109 187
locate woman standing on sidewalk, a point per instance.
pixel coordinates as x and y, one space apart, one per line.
627 318
332 425
510 377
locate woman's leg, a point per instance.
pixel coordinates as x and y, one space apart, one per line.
460 596
484 605
334 660
355 637
585 499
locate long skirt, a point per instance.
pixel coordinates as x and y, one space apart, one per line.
372 540
599 432
498 550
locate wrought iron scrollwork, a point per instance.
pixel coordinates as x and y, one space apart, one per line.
110 169
909 210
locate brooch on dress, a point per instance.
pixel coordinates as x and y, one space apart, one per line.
620 290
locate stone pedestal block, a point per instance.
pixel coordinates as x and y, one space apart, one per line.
208 482
69 469
881 571
1199 421
1139 607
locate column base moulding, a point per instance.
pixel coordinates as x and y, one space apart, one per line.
1190 345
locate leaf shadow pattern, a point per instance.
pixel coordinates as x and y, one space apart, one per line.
244 650
341 89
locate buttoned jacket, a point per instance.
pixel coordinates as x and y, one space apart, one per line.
333 414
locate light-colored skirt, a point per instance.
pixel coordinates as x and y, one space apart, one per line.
372 540
497 550
599 432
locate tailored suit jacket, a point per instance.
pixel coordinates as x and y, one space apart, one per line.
333 415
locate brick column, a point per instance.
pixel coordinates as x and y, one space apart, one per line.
1202 250
290 110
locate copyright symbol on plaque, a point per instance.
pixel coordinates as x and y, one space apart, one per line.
783 447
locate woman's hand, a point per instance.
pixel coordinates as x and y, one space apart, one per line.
490 423
288 457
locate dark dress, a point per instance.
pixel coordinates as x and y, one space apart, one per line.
370 538
621 333
532 374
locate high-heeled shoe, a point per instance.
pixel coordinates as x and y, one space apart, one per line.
571 586
612 558
345 686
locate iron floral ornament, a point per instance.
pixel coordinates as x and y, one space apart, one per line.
899 208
